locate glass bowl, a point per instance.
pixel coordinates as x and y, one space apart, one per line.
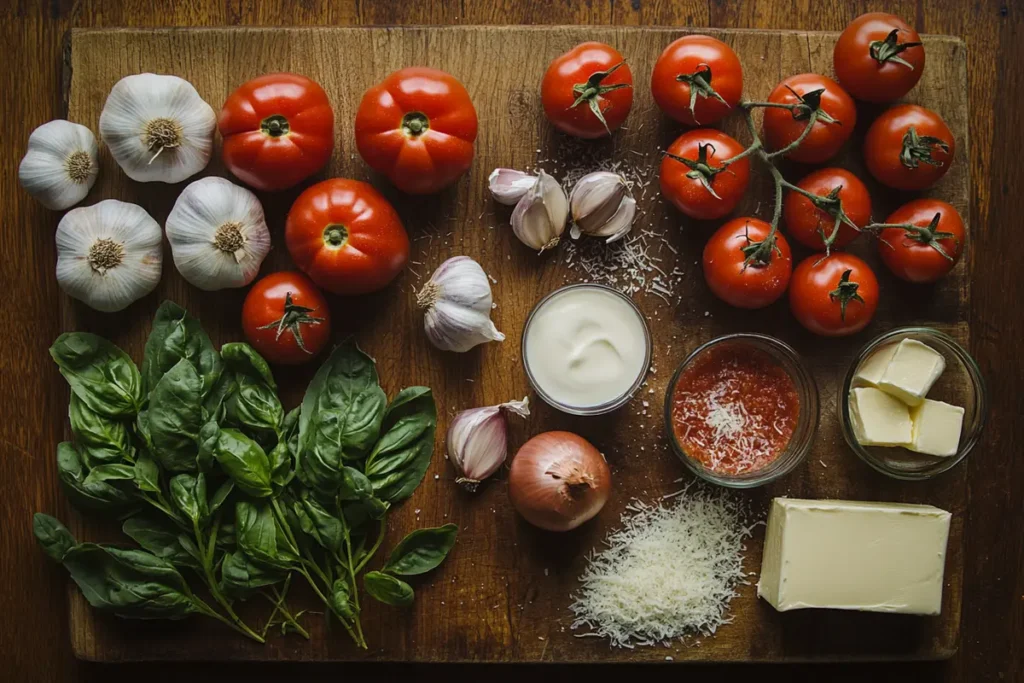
960 384
807 419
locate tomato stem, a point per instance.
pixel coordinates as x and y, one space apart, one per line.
918 149
700 86
293 319
415 123
591 91
888 50
845 292
275 126
929 235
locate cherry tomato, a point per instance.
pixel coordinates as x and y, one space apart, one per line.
417 127
909 147
753 278
928 250
278 130
346 237
836 117
839 190
692 173
697 80
588 91
286 318
834 295
878 57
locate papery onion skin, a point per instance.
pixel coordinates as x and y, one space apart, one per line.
558 481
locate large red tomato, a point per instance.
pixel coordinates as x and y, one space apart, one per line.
346 237
693 178
909 147
286 318
697 80
928 245
417 127
745 267
588 91
805 94
278 130
834 295
878 57
839 190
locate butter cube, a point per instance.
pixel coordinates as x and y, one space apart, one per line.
936 428
879 419
869 372
912 371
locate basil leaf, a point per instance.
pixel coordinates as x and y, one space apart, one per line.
213 402
226 537
221 495
259 537
102 376
53 536
102 439
359 512
175 418
401 457
354 485
121 477
243 359
159 537
244 461
388 589
147 473
341 599
324 527
188 493
190 547
253 405
178 336
421 551
209 433
240 578
281 466
89 494
142 427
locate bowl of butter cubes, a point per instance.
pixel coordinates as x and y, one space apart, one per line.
913 404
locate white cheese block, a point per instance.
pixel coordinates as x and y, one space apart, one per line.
879 419
912 371
869 372
835 554
936 428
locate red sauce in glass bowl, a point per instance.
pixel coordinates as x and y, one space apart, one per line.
734 409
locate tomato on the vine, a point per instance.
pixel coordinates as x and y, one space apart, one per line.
588 91
909 147
697 80
843 199
286 318
878 57
694 179
745 266
928 244
807 96
417 127
346 237
278 130
835 295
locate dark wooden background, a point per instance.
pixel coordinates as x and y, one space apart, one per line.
34 642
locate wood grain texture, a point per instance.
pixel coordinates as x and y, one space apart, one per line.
503 594
33 643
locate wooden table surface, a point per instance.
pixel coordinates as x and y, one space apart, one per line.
34 644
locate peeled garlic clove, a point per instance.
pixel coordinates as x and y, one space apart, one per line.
476 443
457 299
601 206
508 186
539 218
109 254
60 165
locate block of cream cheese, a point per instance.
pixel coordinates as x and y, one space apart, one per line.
936 428
879 419
836 554
912 371
869 372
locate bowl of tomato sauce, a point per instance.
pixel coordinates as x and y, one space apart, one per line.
742 410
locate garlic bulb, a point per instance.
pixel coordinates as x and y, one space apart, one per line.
508 186
158 128
601 206
218 234
109 254
60 165
476 444
458 302
539 218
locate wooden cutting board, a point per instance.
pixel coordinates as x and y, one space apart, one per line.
504 592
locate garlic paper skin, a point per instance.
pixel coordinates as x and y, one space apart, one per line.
457 299
508 186
158 128
539 218
601 206
109 254
60 165
218 234
476 443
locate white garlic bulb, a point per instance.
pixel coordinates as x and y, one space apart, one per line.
60 165
158 128
540 215
109 254
218 234
457 299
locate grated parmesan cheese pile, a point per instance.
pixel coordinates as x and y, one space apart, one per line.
669 572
